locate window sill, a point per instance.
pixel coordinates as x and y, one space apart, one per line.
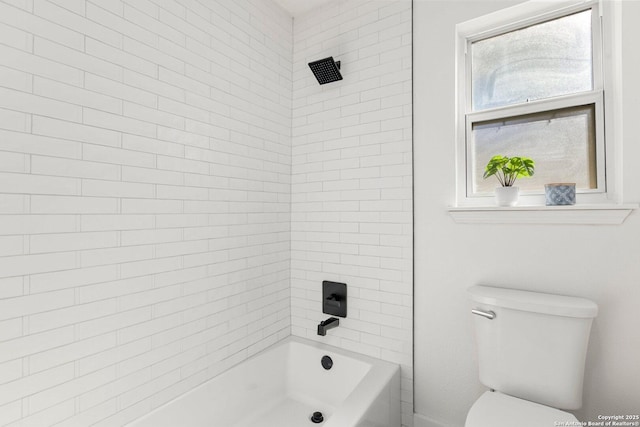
606 214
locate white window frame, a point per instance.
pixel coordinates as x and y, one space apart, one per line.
511 19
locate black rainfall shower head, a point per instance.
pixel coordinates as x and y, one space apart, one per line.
326 70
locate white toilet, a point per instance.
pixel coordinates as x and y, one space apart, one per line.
531 354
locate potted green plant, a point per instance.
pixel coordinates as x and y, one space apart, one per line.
507 170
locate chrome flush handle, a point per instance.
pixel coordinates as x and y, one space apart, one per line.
488 314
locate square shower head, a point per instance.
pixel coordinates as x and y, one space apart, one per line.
326 70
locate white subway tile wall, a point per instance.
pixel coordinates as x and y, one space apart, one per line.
145 173
351 191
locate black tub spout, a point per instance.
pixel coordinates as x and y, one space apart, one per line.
325 325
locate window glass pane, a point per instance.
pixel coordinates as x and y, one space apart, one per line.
541 61
561 142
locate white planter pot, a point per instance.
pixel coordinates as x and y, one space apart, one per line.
507 196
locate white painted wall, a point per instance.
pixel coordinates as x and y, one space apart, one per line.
351 179
144 200
596 262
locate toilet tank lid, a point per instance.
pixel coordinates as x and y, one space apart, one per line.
558 305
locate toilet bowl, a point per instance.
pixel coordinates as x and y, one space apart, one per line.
531 355
495 409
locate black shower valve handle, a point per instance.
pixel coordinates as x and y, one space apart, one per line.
334 300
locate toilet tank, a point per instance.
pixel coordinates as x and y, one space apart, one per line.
535 347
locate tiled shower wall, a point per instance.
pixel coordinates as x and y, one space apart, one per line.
145 157
351 179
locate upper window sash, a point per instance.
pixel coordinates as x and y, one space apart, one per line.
517 18
541 61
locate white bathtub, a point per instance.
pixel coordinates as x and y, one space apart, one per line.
284 385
